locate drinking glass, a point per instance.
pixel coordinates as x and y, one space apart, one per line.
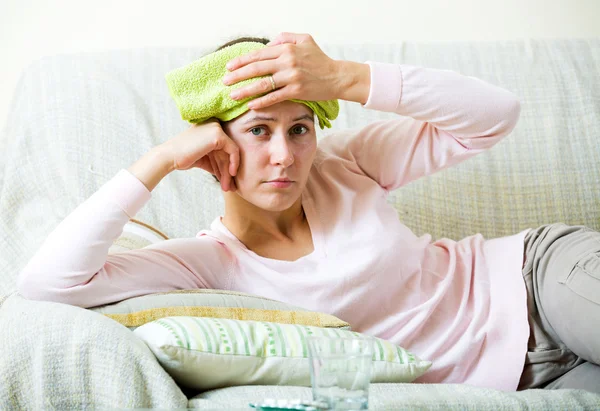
340 371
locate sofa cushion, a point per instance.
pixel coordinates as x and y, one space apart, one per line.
206 353
411 397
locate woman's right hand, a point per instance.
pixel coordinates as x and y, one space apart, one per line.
208 147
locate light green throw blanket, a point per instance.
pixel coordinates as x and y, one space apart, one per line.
200 94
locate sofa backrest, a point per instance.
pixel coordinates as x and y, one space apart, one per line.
77 119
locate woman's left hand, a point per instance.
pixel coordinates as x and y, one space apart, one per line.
299 68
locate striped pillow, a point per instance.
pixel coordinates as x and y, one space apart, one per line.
207 353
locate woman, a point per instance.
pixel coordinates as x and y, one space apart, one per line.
309 224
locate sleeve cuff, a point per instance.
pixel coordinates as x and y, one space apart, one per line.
127 192
386 87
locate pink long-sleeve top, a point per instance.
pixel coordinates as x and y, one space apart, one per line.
460 304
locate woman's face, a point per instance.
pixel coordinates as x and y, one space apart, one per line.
276 142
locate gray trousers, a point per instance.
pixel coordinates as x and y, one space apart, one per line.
562 275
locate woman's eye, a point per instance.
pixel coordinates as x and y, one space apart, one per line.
256 130
298 130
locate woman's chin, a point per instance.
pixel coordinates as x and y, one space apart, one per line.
274 202
268 198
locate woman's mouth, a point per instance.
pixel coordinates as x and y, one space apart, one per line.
280 183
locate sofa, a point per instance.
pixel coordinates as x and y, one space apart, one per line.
77 119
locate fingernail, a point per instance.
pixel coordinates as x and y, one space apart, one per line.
225 80
234 94
229 66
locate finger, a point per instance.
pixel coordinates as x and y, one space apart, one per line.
260 68
213 165
204 164
223 176
223 173
234 156
262 86
285 37
269 99
253 57
234 161
226 180
222 159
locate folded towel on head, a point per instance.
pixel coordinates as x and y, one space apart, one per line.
200 94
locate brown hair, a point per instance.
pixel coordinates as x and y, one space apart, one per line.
242 40
236 41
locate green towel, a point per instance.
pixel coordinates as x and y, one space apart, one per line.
200 94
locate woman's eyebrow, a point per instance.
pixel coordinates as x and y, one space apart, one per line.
262 118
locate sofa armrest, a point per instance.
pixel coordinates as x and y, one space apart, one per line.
57 356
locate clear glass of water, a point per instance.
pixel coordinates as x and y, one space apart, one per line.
340 371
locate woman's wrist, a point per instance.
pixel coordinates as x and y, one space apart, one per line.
152 167
356 81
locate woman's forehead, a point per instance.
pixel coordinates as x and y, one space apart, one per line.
283 111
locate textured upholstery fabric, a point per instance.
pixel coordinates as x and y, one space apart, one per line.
56 356
398 397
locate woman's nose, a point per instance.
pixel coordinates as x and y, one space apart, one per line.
281 153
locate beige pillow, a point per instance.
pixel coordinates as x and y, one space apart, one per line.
208 353
138 311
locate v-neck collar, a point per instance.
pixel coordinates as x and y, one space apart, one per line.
316 233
